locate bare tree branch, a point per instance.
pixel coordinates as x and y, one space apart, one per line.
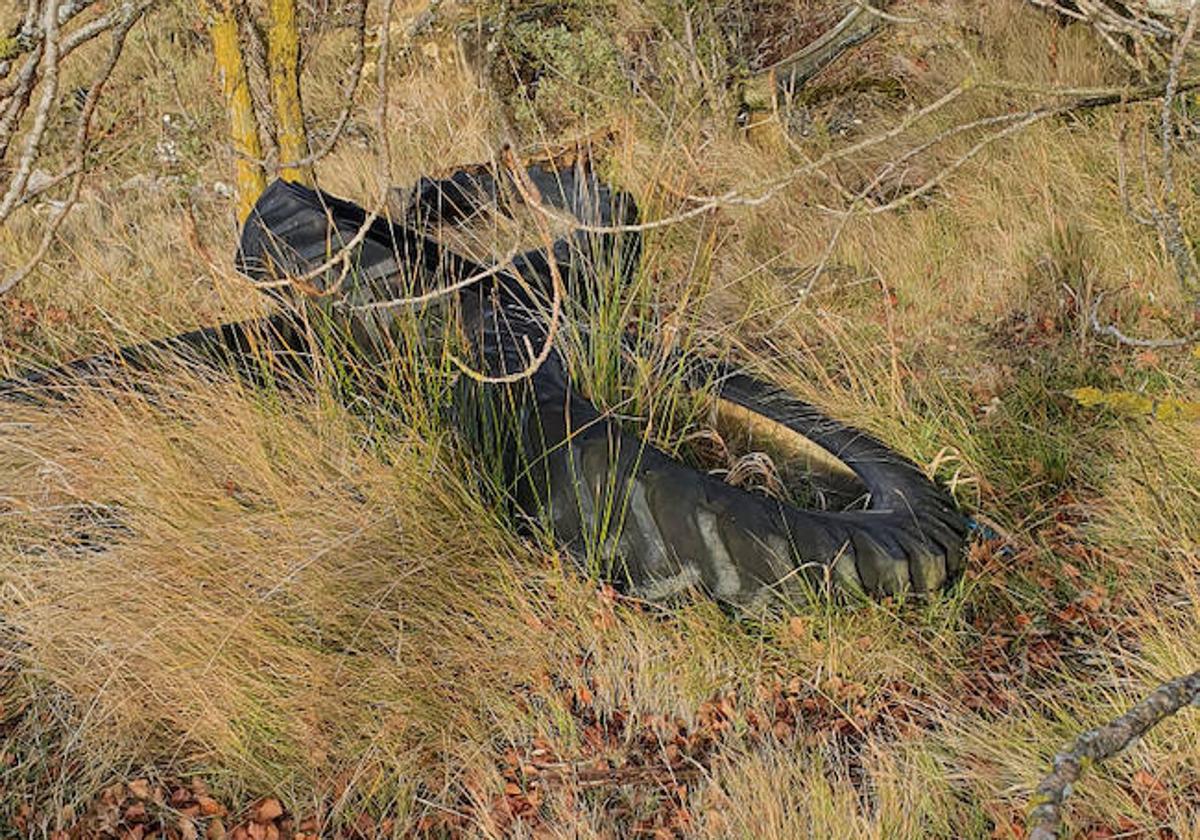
77 168
41 71
1113 332
1045 818
16 93
1146 24
33 139
31 36
16 98
1169 223
82 35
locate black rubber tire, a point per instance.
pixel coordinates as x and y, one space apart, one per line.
658 527
652 524
242 347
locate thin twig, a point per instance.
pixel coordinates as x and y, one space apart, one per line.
857 199
443 291
866 7
1114 22
945 172
1028 118
1113 332
767 192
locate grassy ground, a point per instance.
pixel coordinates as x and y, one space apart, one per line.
229 595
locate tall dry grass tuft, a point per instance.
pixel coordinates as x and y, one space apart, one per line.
250 587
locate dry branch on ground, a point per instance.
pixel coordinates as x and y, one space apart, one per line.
1104 742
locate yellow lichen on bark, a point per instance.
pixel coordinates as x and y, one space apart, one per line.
283 58
243 124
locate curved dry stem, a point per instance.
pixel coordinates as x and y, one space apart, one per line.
529 194
441 292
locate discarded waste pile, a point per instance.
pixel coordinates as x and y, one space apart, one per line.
657 526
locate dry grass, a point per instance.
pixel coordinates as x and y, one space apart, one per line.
283 595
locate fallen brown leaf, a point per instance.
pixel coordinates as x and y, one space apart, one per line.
210 807
135 813
267 810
